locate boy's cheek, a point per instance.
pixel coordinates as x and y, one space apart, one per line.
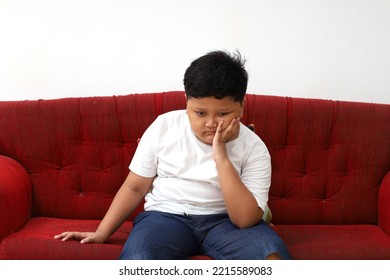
226 123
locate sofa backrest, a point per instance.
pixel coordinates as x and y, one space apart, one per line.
328 157
77 150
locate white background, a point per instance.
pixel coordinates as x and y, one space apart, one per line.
328 49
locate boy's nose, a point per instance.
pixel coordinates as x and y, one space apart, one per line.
211 123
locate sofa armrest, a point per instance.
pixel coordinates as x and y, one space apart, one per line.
384 204
15 196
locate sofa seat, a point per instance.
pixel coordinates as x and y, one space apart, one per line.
36 241
335 242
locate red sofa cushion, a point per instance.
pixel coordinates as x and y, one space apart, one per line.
36 241
328 158
15 196
337 242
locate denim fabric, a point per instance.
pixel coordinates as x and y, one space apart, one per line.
159 235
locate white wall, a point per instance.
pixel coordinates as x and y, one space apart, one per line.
330 49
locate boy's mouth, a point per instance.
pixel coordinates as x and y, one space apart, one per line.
210 132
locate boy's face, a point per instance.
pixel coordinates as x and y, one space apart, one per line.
206 113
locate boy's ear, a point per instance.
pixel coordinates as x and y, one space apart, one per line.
243 103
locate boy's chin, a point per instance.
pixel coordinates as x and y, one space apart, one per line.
206 140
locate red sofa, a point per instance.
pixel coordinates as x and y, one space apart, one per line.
62 161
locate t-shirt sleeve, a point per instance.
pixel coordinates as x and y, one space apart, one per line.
144 162
256 174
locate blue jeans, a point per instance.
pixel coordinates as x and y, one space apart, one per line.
159 235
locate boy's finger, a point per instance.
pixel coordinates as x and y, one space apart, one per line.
84 241
61 235
217 136
232 125
219 128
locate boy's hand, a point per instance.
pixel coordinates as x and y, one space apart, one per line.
83 237
222 136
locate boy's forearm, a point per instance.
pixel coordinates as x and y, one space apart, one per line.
240 202
125 201
121 207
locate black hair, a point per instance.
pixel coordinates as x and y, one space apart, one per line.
217 74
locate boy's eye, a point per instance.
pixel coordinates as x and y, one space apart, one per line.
202 114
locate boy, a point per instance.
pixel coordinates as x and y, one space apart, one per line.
204 175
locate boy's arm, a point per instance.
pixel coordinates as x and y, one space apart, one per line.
126 200
240 203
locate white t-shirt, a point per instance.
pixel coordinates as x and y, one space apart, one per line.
187 179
